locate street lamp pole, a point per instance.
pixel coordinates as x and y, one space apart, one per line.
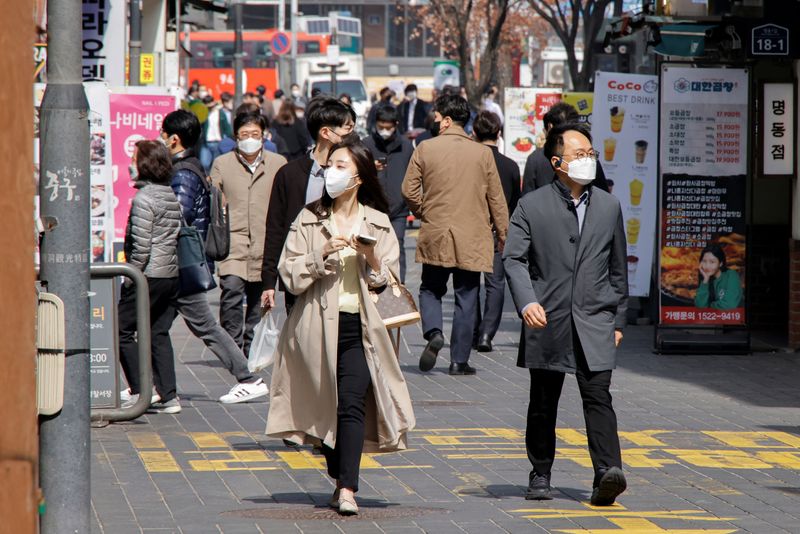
238 51
135 44
64 210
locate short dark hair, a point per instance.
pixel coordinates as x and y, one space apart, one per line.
246 108
278 93
249 117
410 87
559 114
486 126
261 90
184 124
370 193
327 111
453 106
153 162
554 145
225 96
386 114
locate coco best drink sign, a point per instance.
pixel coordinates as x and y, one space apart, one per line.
624 129
703 183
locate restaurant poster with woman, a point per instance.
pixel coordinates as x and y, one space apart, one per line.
704 116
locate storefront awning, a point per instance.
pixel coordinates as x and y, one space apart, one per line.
685 40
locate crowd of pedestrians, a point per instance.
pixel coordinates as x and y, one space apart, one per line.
320 214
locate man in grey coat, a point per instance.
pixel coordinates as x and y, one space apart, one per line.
565 264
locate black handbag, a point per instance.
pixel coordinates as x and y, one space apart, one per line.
194 275
218 235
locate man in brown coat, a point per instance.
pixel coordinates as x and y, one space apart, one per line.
453 187
245 177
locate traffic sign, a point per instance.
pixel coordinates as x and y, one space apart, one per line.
281 43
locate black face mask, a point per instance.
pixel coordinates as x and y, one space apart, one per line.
435 128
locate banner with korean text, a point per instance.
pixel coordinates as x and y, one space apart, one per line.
523 130
704 132
625 133
134 116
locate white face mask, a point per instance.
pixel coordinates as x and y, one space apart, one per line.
386 134
337 181
411 95
249 146
582 171
296 93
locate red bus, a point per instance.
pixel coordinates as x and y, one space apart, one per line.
211 62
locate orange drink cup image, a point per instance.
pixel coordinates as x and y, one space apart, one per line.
641 151
632 227
617 117
636 187
609 147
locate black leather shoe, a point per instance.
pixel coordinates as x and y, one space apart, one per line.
428 358
611 483
484 343
539 487
461 369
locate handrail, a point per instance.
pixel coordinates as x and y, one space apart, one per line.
112 270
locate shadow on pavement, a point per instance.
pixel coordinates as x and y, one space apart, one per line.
758 379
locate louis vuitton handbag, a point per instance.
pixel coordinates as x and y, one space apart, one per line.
395 304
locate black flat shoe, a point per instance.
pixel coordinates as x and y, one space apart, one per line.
484 343
428 358
612 483
461 369
539 488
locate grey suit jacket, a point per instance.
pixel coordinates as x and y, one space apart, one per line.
578 277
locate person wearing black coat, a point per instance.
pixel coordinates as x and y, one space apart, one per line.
293 131
298 183
392 152
538 170
412 111
486 129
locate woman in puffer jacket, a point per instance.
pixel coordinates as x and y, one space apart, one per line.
151 241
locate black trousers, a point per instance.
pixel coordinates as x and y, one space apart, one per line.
352 381
237 322
601 421
399 226
162 293
494 284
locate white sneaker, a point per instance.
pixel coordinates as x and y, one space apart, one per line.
171 406
129 400
245 392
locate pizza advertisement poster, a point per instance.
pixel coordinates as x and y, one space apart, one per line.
625 135
703 130
523 130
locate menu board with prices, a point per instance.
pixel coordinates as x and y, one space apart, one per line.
704 131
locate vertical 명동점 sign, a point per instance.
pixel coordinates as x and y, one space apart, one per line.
704 114
625 133
778 129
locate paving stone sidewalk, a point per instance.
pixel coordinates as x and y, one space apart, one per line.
710 444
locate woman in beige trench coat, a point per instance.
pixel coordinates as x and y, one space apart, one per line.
336 379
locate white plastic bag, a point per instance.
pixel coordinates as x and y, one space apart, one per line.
264 345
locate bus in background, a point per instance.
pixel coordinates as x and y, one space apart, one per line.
211 61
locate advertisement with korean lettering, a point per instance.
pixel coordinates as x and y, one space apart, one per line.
133 117
523 131
625 134
704 130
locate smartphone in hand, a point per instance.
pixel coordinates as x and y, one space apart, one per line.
366 239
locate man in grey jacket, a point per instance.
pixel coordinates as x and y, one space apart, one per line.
565 264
